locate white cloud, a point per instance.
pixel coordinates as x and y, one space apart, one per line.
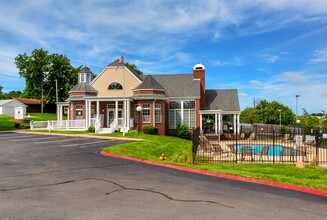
293 77
256 83
270 58
320 56
243 94
236 61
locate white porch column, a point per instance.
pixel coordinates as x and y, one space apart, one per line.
60 113
116 112
216 123
234 124
238 123
89 116
128 113
219 123
86 114
98 110
200 122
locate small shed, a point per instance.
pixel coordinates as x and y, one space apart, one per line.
7 107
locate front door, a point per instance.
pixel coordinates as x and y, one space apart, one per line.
111 116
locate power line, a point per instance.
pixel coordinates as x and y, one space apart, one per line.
9 75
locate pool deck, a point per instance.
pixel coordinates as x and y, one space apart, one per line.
304 152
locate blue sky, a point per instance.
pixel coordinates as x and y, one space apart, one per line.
270 50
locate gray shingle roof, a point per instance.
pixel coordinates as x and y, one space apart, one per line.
149 83
83 87
223 99
86 70
178 85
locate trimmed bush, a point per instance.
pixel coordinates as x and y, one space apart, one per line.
182 131
150 130
91 129
17 124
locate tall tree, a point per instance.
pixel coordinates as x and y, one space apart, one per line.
134 68
41 70
268 113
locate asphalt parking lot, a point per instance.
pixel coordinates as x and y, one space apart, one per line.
58 177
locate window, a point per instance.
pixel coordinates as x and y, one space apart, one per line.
115 86
181 112
79 111
157 113
146 113
92 110
82 77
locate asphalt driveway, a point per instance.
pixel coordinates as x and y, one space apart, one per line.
58 177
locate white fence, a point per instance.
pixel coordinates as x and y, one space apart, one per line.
58 125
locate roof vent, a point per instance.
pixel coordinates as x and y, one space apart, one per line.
198 66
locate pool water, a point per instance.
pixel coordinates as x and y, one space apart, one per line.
257 148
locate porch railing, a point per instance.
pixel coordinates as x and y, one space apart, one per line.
57 125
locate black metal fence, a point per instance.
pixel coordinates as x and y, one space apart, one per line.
261 147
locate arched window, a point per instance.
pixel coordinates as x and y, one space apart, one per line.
115 86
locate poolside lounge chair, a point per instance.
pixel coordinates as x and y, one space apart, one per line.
264 152
242 136
247 151
286 137
301 151
288 152
252 136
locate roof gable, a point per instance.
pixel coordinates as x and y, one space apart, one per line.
10 102
149 83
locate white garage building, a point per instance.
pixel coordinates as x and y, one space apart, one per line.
8 106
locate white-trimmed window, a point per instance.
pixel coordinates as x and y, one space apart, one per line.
146 113
79 111
181 112
157 113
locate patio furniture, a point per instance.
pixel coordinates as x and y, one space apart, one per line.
286 137
247 151
301 151
287 152
264 152
242 136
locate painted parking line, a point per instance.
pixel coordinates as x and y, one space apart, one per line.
95 142
55 141
34 138
18 136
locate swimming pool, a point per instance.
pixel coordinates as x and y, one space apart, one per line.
257 148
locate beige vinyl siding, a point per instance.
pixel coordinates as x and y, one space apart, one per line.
110 75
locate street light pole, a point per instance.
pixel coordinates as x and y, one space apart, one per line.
139 110
280 117
297 104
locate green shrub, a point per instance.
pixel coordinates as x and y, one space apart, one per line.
150 130
17 124
91 129
182 131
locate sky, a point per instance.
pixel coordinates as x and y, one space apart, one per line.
271 50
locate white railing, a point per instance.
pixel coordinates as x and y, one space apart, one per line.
114 125
58 125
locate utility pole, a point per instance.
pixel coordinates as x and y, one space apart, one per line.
297 104
57 92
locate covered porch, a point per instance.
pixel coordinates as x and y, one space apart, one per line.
212 121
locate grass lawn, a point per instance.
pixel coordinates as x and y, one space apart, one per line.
8 122
153 146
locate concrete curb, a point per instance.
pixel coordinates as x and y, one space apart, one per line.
226 176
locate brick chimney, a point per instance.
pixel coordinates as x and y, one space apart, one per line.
198 73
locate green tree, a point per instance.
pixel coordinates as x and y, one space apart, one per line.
41 70
134 68
268 113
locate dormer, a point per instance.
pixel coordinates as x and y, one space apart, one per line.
85 75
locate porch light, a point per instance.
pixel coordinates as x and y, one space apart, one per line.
139 110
